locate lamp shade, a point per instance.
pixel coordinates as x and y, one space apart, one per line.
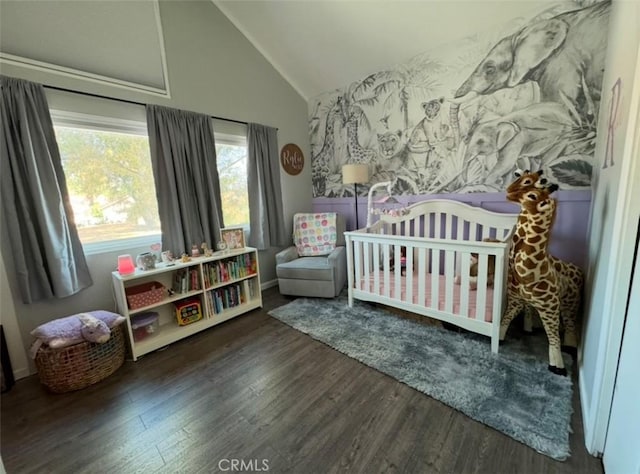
355 174
125 265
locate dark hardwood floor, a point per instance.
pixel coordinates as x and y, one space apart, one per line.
253 393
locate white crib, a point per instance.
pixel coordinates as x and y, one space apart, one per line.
439 237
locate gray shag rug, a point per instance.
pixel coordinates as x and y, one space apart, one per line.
512 392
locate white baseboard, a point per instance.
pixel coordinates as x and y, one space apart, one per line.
269 284
21 373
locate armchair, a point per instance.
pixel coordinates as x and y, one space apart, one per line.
321 276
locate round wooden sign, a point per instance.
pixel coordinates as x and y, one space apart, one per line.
292 159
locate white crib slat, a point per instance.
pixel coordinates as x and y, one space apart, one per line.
385 266
357 248
499 293
460 234
481 296
376 268
397 272
409 274
464 283
486 232
476 228
422 271
449 273
435 280
448 227
437 225
367 270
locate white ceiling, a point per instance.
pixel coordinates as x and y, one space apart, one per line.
322 45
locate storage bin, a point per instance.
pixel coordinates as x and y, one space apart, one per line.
145 294
78 366
144 324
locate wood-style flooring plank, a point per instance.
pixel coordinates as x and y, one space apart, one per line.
256 391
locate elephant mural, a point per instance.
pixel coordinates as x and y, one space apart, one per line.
564 54
496 147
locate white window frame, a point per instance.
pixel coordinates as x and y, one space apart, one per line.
100 123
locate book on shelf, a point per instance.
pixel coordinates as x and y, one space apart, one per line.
185 280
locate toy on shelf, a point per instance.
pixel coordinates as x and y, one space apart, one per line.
188 311
185 258
206 250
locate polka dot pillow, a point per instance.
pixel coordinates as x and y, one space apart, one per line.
315 234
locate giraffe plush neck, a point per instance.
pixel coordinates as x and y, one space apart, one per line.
525 181
530 190
532 263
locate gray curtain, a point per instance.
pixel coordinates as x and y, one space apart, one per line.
183 156
46 250
266 214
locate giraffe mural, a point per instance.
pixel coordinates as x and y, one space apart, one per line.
323 160
570 276
357 153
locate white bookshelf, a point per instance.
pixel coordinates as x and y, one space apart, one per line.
226 284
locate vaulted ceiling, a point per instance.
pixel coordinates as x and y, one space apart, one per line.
322 45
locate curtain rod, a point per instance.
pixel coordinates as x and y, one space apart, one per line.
99 96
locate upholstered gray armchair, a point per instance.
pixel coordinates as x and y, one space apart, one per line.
316 276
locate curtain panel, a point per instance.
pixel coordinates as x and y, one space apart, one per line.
266 213
47 253
183 157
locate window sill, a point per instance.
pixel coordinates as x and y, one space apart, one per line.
126 245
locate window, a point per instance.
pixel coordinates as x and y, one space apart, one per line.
231 151
107 165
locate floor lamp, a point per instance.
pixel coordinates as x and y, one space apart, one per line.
355 174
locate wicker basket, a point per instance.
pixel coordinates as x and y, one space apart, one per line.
78 366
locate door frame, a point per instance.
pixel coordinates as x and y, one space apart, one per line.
596 421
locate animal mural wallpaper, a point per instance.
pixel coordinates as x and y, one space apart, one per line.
461 119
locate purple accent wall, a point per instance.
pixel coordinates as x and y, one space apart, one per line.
568 237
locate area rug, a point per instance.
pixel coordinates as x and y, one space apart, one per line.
512 391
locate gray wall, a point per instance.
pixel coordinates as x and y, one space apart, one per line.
213 69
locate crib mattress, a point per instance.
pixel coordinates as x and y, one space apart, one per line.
368 285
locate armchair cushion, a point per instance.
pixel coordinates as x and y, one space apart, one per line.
323 268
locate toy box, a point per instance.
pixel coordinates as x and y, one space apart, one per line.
188 311
145 294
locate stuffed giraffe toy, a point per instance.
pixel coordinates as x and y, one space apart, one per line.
534 280
570 275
